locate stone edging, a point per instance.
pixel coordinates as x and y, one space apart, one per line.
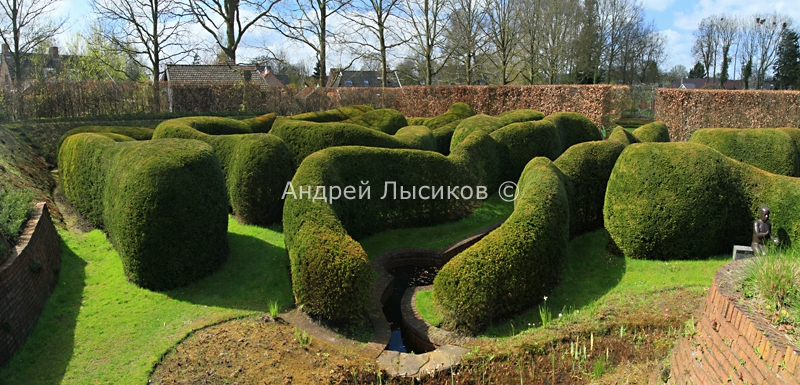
27 277
731 343
421 330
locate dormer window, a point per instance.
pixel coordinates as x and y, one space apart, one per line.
348 83
366 82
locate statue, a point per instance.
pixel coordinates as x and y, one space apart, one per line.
762 230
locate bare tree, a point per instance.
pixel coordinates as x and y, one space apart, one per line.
427 18
465 35
588 46
615 19
306 22
26 26
706 44
727 32
767 34
559 30
371 24
235 17
502 31
530 29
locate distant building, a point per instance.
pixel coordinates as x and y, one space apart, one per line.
703 83
339 78
50 64
214 74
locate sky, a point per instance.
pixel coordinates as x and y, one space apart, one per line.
676 19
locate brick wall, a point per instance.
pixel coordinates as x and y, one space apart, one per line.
27 278
732 345
684 111
600 103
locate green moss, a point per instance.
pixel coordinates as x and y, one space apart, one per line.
335 115
513 266
768 149
162 203
384 120
256 167
688 201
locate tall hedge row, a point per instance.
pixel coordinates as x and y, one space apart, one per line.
515 265
331 276
652 132
162 204
335 115
768 149
256 166
384 120
689 201
136 133
305 137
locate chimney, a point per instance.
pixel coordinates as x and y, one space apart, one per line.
54 52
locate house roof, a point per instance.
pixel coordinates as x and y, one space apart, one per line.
214 74
710 83
31 61
339 78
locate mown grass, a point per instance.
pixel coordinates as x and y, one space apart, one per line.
99 328
592 276
491 211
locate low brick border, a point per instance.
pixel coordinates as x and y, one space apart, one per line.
421 330
733 344
27 277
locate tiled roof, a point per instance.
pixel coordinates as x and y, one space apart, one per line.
214 74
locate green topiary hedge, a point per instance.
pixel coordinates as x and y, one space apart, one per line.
768 149
623 136
137 133
261 124
256 166
652 132
514 266
331 276
689 201
304 138
335 115
384 120
574 128
444 135
521 142
456 112
162 203
469 125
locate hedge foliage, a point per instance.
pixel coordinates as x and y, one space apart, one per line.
161 202
331 276
335 115
514 266
621 135
256 166
137 133
261 123
652 132
455 113
305 137
768 149
689 201
384 120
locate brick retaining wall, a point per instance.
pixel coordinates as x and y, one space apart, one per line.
732 344
27 277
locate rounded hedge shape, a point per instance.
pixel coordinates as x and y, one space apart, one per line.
652 132
261 123
331 276
469 125
515 116
587 167
417 137
623 136
335 115
211 125
444 135
136 133
256 167
574 128
524 141
482 156
162 204
767 149
304 138
384 120
514 266
456 112
689 201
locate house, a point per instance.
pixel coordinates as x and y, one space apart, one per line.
50 65
703 83
341 78
273 80
214 74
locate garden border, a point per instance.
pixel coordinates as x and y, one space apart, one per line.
27 277
731 342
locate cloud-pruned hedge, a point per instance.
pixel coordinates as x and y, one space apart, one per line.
256 166
135 133
334 115
161 202
768 149
384 120
689 201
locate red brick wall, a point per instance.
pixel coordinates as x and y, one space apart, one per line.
27 278
684 111
732 345
600 103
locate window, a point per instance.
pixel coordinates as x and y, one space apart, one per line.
348 83
366 82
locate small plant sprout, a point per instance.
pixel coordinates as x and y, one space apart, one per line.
302 337
274 310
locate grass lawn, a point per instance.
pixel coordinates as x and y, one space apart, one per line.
592 276
491 211
98 328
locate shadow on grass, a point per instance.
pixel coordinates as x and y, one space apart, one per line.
589 273
44 357
255 274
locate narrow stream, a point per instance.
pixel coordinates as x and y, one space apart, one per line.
405 278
